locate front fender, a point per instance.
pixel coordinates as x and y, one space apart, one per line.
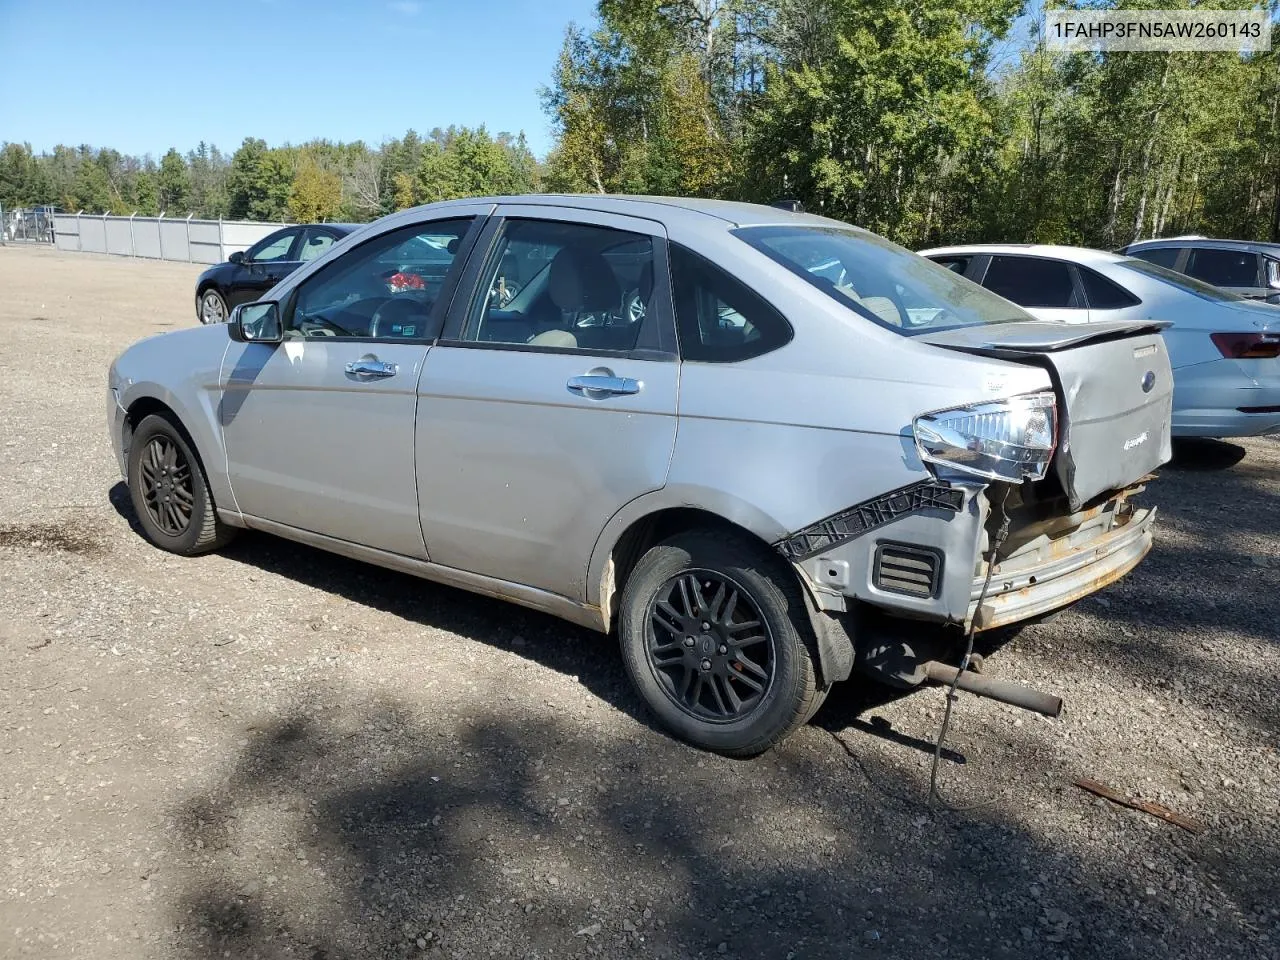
182 370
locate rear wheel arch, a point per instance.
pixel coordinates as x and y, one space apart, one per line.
835 646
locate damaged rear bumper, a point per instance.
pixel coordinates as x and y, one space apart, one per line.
1061 575
935 546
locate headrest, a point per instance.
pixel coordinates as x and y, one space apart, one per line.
583 282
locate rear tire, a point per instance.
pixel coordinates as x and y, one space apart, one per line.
169 491
716 637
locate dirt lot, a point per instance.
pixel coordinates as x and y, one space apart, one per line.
272 752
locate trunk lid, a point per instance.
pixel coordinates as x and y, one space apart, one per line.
1115 394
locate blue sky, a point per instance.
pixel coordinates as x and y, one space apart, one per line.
144 75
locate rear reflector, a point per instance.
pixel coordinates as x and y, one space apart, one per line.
1248 346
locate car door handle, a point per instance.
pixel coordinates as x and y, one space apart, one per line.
595 386
372 369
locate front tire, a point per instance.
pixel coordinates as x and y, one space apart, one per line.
716 637
212 307
169 491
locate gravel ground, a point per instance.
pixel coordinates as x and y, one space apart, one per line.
272 752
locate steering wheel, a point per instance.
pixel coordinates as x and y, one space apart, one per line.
324 324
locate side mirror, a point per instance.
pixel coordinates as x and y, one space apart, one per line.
237 257
256 323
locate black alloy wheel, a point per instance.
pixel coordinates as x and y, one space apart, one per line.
167 491
709 647
716 636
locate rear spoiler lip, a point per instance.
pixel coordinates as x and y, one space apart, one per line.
1063 336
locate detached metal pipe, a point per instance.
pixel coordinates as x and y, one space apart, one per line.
1014 694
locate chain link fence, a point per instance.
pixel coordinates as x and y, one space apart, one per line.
26 224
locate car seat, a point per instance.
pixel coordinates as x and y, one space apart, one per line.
581 281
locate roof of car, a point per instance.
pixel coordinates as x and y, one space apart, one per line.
1251 245
1074 254
662 209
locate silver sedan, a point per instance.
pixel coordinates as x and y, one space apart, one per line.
1225 349
721 431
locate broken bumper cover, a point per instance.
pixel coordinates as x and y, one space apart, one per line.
1033 591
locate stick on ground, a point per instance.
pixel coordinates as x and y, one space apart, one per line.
1146 806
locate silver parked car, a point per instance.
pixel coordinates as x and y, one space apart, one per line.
1225 349
1246 267
723 430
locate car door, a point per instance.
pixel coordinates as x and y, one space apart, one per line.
319 429
1045 287
550 401
1238 271
265 264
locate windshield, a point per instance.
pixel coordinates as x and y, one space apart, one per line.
1180 280
885 283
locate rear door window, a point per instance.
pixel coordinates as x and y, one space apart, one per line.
1223 268
1161 256
565 286
1032 281
314 243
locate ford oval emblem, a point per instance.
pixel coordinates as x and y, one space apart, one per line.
1148 381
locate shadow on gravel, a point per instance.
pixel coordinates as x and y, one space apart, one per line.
561 646
122 503
367 835
1202 453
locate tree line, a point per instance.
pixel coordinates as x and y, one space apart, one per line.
316 181
927 122
937 121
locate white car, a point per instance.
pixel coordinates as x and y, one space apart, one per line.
1225 350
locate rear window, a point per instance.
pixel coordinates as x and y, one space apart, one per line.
1180 280
881 281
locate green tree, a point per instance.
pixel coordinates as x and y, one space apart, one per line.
317 193
259 182
173 183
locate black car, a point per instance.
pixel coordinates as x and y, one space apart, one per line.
247 276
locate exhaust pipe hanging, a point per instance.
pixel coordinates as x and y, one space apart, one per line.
1014 694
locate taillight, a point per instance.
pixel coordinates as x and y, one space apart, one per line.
1011 439
1248 346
